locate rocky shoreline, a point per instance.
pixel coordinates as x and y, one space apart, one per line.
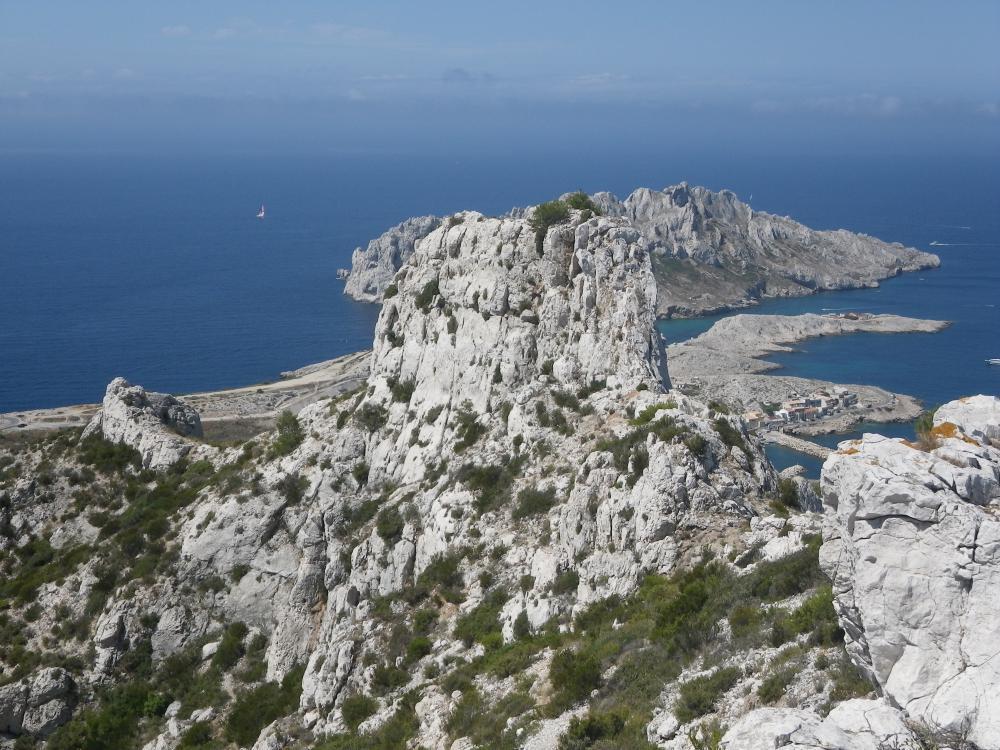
726 364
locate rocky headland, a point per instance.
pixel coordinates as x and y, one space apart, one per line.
726 364
710 252
514 533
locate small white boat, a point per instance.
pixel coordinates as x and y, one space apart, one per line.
994 361
260 214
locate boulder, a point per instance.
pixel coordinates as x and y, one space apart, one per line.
913 550
857 724
155 424
38 704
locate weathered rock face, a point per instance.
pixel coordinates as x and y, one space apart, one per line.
853 725
487 325
155 424
484 317
712 251
373 268
38 704
912 543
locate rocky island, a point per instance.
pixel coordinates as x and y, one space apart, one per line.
710 252
514 533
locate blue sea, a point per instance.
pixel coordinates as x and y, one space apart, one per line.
156 269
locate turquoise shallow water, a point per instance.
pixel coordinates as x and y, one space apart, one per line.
156 269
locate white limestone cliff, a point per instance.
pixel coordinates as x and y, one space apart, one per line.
912 544
373 268
157 425
710 251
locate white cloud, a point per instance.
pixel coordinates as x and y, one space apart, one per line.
344 34
176 31
863 104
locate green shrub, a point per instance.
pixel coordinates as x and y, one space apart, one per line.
647 414
292 487
566 582
696 444
698 696
788 493
848 682
108 457
360 473
522 626
817 617
481 623
402 391
258 707
731 436
574 676
490 484
230 648
238 571
393 735
389 524
356 708
567 400
581 201
197 737
443 571
718 407
924 424
371 416
744 621
788 576
425 298
390 291
532 502
600 726
387 678
417 649
290 435
773 686
111 725
544 216
468 429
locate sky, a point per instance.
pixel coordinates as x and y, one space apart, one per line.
398 77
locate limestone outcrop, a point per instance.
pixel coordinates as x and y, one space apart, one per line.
715 252
373 268
512 490
37 704
711 251
912 544
858 724
155 424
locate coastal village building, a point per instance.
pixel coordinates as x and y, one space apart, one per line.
801 408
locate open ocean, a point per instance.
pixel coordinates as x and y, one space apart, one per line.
156 269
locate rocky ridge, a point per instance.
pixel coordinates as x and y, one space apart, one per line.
372 269
512 535
710 252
